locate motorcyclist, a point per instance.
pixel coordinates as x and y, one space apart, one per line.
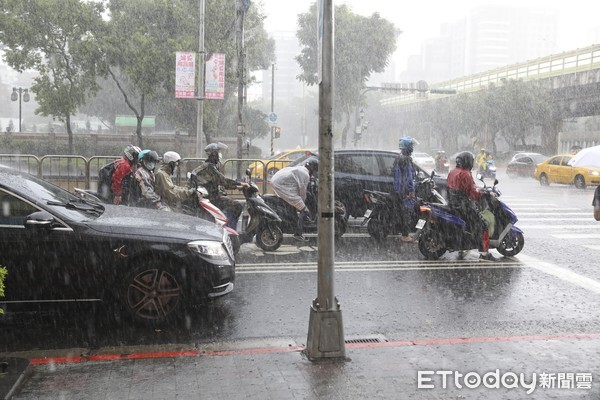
481 160
291 185
211 178
170 193
123 166
404 185
144 180
462 194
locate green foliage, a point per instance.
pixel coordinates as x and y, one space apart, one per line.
3 273
57 38
363 45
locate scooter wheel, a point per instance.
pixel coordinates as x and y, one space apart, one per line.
431 244
512 244
269 239
377 229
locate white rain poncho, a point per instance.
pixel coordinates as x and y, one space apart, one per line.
290 184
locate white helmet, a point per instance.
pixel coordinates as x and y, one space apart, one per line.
171 156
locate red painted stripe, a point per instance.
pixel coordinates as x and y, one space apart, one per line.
269 350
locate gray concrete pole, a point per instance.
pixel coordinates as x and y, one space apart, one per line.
240 71
201 61
326 332
272 106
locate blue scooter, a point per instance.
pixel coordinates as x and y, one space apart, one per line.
441 230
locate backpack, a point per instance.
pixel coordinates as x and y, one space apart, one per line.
105 182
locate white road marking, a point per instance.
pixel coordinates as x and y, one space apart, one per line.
572 226
561 273
552 213
516 209
592 246
363 266
554 219
578 236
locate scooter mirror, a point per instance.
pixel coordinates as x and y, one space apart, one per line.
495 182
188 175
480 177
248 172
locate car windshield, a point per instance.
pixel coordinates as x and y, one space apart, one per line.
59 199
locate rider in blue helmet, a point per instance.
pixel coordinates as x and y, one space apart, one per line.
404 185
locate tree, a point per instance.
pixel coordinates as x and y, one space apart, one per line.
142 72
363 45
57 38
140 49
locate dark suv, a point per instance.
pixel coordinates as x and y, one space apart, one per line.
357 170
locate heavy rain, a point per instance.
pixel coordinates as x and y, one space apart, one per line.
232 199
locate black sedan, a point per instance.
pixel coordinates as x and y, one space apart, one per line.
60 248
359 170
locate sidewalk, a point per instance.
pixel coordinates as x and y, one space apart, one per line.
553 367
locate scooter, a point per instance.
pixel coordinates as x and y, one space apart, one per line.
490 169
259 220
441 230
381 217
289 214
203 208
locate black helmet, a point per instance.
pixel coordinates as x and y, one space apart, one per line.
215 148
312 165
465 160
148 159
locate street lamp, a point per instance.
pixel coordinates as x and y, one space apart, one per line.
16 95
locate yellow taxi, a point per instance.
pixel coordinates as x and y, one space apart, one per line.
276 162
556 169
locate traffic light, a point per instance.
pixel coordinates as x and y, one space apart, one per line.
277 133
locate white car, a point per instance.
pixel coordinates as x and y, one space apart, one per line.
423 160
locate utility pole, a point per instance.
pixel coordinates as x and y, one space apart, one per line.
325 329
272 106
241 8
201 61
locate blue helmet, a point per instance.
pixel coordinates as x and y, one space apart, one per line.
406 144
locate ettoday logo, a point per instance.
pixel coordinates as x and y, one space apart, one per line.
508 380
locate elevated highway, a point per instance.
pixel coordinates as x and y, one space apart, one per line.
574 76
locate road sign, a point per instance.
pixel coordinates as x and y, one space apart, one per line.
273 117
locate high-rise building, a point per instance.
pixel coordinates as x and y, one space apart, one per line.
287 86
489 37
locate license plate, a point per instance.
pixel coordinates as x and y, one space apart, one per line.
368 213
420 224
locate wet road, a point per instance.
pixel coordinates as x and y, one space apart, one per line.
389 290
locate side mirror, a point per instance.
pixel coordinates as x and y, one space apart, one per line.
421 175
248 172
188 175
39 220
495 182
480 177
432 174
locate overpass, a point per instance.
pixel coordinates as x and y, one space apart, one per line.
574 76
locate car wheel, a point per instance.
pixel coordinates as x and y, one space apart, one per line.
153 292
269 238
512 244
544 180
431 244
579 182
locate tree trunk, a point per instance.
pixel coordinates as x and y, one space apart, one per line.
69 133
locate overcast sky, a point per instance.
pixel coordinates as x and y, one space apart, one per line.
421 19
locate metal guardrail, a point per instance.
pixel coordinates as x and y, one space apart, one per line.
72 171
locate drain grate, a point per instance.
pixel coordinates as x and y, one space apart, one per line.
365 340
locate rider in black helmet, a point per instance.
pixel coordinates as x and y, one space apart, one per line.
462 194
211 178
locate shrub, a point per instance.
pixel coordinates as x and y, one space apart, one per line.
3 272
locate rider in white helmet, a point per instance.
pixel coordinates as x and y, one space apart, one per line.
170 193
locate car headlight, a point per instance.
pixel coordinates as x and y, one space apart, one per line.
210 249
595 173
